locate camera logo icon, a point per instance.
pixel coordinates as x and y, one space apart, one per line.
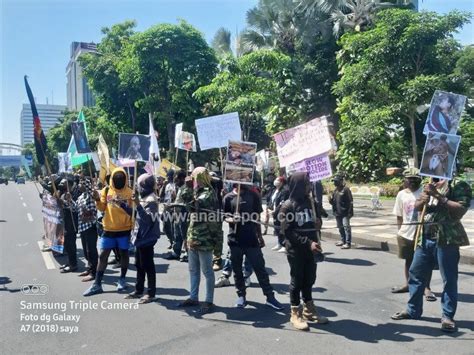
35 290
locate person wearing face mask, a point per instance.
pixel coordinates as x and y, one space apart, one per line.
201 240
245 240
144 237
117 225
406 213
87 227
274 201
298 227
70 225
343 209
441 237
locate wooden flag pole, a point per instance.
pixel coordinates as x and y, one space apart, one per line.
237 206
134 191
419 228
187 162
222 161
176 157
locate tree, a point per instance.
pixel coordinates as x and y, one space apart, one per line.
221 42
253 85
349 15
101 70
387 72
166 64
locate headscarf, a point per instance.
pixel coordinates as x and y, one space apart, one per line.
146 184
201 177
297 184
88 185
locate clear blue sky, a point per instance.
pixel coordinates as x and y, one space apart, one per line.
36 37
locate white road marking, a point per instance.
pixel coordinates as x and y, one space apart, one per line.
24 204
47 257
30 217
21 198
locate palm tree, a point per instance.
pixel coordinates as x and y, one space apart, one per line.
278 24
350 15
221 42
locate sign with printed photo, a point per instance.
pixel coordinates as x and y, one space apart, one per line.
445 113
80 137
439 155
186 141
240 162
134 147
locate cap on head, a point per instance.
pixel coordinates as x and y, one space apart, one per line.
412 173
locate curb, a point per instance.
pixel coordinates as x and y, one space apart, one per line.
391 246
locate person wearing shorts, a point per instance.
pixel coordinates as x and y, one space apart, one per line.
406 213
117 225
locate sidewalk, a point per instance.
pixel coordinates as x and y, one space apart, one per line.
384 235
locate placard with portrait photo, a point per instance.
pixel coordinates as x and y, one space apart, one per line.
134 147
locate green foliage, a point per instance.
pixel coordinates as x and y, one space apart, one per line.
253 85
386 73
154 72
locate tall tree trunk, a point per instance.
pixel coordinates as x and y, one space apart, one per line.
413 139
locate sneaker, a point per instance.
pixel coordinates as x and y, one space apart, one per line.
281 250
95 289
171 256
121 284
222 281
184 259
272 302
339 244
277 247
248 282
241 302
346 246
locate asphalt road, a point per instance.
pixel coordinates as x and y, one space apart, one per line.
352 290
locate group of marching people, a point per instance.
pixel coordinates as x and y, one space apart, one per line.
114 218
195 208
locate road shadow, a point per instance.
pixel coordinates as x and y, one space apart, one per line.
397 332
461 324
3 220
4 280
354 262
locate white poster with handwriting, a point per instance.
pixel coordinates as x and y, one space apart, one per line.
304 141
217 131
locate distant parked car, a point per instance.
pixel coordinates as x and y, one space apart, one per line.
3 181
20 180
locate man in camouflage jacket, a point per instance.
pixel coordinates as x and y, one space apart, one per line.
442 235
201 238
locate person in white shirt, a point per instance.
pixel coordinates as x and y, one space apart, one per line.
406 213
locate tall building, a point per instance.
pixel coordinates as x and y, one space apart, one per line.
78 92
48 114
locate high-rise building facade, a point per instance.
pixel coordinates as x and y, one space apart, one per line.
78 92
48 114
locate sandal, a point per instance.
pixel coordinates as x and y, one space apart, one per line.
448 325
206 307
188 303
399 289
146 299
401 315
133 295
430 297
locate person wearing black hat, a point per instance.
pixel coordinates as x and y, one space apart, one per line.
343 209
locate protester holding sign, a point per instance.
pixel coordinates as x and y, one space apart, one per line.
245 239
442 235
